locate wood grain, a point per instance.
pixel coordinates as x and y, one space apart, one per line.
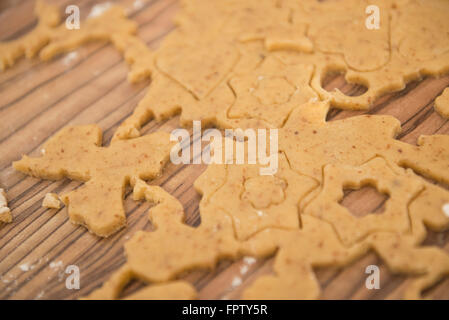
37 99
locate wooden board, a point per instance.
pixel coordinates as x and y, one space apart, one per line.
37 99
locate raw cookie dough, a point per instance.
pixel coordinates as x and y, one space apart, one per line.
112 22
384 63
76 153
179 247
216 41
233 196
206 69
51 201
112 25
316 245
176 290
5 212
30 44
442 104
270 92
159 256
383 60
310 143
265 201
402 188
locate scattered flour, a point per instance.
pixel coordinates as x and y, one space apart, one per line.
244 269
249 260
69 58
27 266
138 4
98 9
56 265
237 281
39 295
24 267
446 209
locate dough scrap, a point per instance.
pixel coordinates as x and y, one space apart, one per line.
75 152
51 201
30 44
5 212
442 104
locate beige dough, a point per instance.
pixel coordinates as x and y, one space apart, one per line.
259 64
442 104
51 201
194 70
76 153
5 212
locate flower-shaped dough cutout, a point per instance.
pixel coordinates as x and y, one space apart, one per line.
402 188
260 202
271 92
76 153
263 191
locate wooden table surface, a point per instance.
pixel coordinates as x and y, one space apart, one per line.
37 99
